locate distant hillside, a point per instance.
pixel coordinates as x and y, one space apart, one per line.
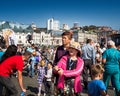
17 27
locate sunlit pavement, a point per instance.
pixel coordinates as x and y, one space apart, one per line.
31 85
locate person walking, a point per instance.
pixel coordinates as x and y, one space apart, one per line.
88 55
41 75
31 67
48 78
111 58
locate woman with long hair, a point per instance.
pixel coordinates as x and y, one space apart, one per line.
11 51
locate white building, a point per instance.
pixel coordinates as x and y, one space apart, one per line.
53 24
45 38
65 27
21 37
36 38
56 25
81 36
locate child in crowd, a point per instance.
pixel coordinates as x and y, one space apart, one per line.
69 69
31 66
96 87
98 55
41 75
48 77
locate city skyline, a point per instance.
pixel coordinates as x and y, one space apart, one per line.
85 12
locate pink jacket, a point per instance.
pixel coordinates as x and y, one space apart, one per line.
71 73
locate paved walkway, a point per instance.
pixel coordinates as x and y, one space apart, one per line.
31 85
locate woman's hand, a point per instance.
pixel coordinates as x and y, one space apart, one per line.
60 71
56 68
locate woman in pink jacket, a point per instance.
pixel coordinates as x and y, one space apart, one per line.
70 68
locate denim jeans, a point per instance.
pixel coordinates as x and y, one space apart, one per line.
31 69
9 85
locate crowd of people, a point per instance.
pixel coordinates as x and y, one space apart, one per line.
60 70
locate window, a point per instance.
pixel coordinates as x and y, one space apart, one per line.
19 37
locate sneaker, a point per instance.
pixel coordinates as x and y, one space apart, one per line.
16 76
44 94
113 88
38 94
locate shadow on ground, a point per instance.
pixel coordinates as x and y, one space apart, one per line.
32 89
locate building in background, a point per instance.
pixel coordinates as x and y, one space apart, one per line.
21 37
53 25
75 25
33 25
65 27
52 34
81 36
16 27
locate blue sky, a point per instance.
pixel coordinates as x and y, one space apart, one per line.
86 12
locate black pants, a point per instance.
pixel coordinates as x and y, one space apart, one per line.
9 86
1 88
87 67
48 88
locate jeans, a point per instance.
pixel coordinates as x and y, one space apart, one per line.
9 85
31 70
48 88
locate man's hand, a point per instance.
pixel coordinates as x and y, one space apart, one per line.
24 90
21 81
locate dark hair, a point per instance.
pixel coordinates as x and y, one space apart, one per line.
11 51
2 42
27 53
79 54
88 41
50 62
68 34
